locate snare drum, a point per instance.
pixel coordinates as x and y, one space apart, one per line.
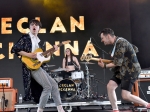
77 75
67 89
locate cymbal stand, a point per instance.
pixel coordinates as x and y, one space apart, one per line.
79 95
87 78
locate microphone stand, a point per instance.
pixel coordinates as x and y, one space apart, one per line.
87 78
3 98
104 70
104 73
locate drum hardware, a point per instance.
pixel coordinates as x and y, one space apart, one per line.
90 82
87 78
92 76
58 70
77 87
46 67
56 76
104 96
49 65
79 94
89 70
100 96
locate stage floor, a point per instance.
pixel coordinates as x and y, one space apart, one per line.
125 108
79 106
68 105
86 105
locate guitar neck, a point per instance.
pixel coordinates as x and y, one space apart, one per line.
51 50
103 60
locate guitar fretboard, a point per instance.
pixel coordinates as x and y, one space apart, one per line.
51 50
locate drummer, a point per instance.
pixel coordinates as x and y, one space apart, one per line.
70 64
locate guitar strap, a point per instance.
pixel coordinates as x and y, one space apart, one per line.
42 45
113 51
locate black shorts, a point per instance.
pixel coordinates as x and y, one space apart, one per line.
126 84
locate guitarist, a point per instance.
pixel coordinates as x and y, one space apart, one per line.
25 47
126 68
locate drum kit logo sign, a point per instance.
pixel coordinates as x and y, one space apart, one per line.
67 89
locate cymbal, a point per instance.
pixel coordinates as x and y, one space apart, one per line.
86 63
58 70
49 65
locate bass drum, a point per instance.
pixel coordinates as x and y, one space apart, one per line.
67 89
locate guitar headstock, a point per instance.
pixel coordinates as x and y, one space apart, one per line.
66 42
86 57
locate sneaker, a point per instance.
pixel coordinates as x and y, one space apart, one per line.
148 106
115 110
60 108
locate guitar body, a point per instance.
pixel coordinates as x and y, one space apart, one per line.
34 64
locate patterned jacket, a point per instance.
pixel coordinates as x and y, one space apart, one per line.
31 87
126 60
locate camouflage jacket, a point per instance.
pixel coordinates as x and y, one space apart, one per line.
125 59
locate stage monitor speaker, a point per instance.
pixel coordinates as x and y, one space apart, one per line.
10 100
141 89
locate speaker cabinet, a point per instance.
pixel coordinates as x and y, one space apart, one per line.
10 100
141 89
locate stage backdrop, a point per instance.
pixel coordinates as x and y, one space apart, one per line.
62 20
140 29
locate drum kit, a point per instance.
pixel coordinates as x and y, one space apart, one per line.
77 86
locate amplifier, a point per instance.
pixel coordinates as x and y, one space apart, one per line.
141 89
6 83
145 71
10 100
144 74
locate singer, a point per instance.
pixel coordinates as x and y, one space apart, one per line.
125 66
26 46
70 63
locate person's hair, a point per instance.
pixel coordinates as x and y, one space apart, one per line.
71 56
37 22
106 31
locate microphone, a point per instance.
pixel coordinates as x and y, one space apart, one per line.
90 40
96 45
44 43
43 46
6 102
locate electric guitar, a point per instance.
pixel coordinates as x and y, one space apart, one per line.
89 57
34 64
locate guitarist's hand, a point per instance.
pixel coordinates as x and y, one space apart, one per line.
100 63
55 47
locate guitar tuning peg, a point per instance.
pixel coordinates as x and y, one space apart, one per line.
82 57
